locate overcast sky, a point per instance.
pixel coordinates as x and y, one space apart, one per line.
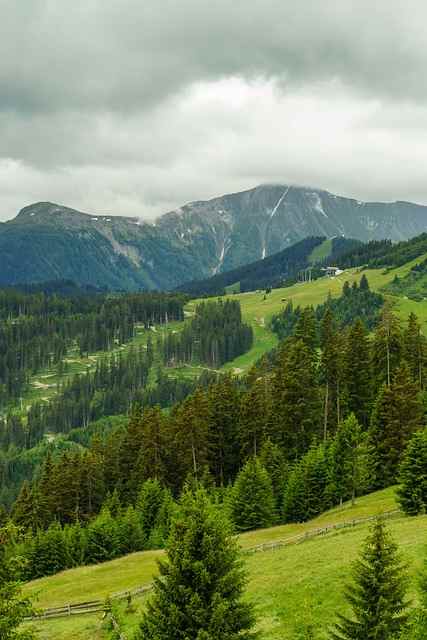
133 107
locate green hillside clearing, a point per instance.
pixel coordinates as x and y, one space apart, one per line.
288 585
321 252
258 308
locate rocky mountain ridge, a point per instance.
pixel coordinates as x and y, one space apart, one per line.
47 241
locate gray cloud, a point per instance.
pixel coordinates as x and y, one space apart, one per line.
133 107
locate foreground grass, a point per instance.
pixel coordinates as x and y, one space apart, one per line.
74 628
288 585
303 584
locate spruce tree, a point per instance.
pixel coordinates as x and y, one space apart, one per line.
412 492
296 410
419 625
252 502
397 414
387 347
414 350
199 593
273 460
14 607
358 375
148 505
350 461
377 595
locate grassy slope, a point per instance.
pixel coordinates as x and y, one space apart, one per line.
287 585
321 252
258 311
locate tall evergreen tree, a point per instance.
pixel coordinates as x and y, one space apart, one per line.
397 414
350 461
358 375
387 347
14 607
414 350
296 410
252 502
199 593
412 492
377 595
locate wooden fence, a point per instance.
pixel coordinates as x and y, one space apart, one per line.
99 605
313 533
91 606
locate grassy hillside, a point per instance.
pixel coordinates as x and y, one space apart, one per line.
287 585
258 308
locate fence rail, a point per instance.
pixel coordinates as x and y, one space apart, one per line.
93 606
314 533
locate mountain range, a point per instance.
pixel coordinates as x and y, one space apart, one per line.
48 241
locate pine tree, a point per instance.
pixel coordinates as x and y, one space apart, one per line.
253 419
412 492
419 625
306 329
198 595
387 347
306 493
350 461
414 350
377 595
14 607
148 505
296 411
397 414
252 503
358 375
273 460
24 508
331 372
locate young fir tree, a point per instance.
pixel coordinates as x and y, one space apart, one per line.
274 462
350 461
387 347
331 372
397 414
252 502
419 626
296 409
199 593
413 475
14 608
358 376
306 493
148 505
377 595
414 350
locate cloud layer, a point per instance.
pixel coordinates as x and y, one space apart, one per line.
135 107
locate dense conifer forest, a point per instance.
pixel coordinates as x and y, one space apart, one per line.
333 414
215 335
38 329
384 253
356 301
278 270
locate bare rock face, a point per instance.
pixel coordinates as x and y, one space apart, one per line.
48 241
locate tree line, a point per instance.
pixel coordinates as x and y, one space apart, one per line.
299 435
356 301
215 335
37 330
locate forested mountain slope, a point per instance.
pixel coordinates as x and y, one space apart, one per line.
48 241
280 269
